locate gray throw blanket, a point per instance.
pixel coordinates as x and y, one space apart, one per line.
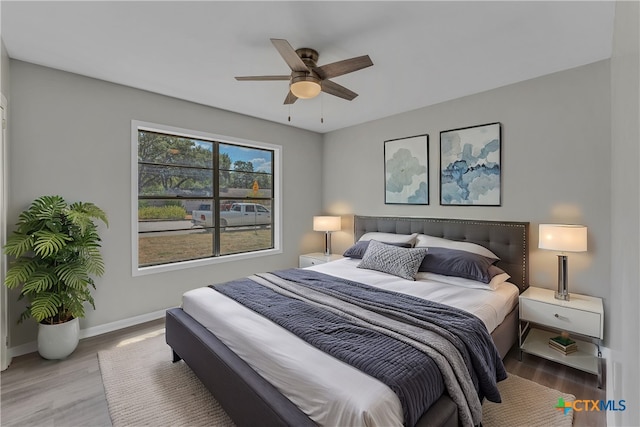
403 341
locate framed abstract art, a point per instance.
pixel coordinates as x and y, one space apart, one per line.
470 166
406 170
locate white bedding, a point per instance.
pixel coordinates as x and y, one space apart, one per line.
490 306
331 392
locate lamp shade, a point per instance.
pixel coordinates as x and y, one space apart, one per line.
305 89
327 223
563 237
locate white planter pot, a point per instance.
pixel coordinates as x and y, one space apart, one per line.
58 341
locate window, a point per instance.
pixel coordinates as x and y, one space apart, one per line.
201 198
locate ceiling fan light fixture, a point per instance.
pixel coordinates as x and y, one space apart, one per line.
306 88
307 80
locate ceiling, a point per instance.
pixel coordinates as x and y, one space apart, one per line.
423 52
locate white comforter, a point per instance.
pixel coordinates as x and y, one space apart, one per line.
331 392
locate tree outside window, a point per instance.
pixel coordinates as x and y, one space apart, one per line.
201 198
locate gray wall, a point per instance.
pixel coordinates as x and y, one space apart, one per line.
71 135
624 375
556 133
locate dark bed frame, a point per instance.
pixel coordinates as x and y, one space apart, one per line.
250 400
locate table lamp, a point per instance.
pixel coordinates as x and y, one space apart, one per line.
327 224
562 238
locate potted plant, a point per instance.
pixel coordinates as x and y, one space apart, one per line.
57 249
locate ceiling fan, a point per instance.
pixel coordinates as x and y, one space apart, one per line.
307 79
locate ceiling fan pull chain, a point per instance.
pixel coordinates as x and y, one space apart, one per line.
321 108
289 112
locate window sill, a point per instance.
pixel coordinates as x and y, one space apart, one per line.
143 271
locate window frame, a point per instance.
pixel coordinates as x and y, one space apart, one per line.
276 206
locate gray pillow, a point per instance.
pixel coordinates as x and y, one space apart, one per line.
357 251
401 262
453 262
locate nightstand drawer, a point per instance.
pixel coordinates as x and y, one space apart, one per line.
564 318
306 261
316 258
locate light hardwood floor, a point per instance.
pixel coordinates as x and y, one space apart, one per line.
38 392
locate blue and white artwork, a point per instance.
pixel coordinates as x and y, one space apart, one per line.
406 169
470 168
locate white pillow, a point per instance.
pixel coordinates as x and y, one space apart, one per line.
390 237
467 283
425 241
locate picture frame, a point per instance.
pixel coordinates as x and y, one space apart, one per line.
471 166
406 170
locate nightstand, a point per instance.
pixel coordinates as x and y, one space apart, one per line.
307 260
542 316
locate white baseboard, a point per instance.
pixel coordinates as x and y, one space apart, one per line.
121 324
32 347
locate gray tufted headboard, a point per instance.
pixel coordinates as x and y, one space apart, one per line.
509 240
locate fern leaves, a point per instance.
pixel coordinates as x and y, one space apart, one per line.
19 244
45 305
57 249
82 214
20 272
92 260
48 243
40 281
73 275
48 207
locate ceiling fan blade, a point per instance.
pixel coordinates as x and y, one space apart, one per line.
290 99
289 55
261 78
339 68
335 89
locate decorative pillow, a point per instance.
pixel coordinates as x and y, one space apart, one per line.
426 241
497 279
453 262
401 262
358 250
390 237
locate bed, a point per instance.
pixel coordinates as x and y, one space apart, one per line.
251 400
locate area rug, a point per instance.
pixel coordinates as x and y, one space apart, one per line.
144 388
525 403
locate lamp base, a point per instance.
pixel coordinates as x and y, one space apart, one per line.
563 289
327 243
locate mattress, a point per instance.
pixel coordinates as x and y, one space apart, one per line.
329 391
